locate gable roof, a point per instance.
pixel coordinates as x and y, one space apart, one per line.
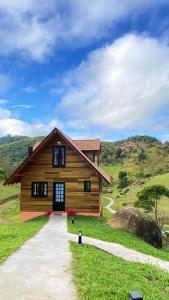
88 145
16 176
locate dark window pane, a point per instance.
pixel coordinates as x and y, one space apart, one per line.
87 186
58 156
39 189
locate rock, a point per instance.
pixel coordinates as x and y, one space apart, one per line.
142 225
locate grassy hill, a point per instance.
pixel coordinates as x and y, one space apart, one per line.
13 150
127 199
140 156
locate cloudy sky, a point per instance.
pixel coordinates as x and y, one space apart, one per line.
95 68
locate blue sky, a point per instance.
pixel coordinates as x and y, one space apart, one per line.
91 68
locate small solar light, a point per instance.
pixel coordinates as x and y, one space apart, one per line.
80 238
135 296
73 221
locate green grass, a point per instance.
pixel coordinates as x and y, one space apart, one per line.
12 236
9 191
113 169
9 212
97 228
9 203
99 275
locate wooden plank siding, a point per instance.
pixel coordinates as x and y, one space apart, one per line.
74 173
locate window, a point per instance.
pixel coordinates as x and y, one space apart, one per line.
58 156
39 189
87 186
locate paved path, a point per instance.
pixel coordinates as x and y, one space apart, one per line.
124 252
40 269
110 204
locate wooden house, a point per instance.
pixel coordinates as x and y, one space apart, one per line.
60 174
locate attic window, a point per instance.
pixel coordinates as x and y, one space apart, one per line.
58 159
39 189
87 186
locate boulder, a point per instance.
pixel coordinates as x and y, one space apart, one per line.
134 220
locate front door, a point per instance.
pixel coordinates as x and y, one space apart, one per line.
59 196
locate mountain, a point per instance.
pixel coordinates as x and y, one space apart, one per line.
139 154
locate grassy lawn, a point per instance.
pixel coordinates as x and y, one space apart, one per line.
97 228
99 275
13 235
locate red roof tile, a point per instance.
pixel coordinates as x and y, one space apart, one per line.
88 145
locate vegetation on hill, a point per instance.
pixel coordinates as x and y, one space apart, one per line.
13 150
127 196
138 155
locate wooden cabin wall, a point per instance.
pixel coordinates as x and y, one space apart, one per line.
74 173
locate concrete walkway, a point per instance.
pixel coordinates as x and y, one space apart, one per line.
40 269
110 205
123 252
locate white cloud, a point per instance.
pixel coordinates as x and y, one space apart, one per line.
19 127
34 28
26 106
121 86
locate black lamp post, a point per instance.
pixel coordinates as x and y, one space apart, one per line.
80 238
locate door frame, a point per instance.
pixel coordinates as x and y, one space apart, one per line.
54 195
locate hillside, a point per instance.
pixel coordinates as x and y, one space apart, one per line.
139 155
13 150
123 199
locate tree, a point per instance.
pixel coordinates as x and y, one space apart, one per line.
3 175
149 197
123 179
141 155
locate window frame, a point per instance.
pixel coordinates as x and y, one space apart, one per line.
87 190
40 195
59 160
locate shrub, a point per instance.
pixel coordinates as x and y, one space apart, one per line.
123 179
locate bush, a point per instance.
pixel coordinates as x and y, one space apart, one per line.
3 175
123 179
